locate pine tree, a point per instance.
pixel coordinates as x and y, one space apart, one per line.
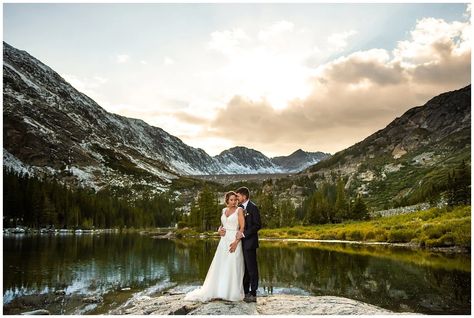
208 207
359 210
49 216
459 185
462 192
269 213
341 208
286 214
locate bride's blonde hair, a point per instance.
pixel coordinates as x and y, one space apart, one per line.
227 196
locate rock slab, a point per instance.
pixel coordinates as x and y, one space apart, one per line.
266 305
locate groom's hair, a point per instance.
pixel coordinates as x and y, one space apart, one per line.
244 191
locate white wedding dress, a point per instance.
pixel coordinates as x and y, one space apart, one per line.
224 278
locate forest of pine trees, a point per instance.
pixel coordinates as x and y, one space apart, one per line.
35 203
330 204
205 213
38 203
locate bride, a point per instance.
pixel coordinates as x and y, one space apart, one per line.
224 279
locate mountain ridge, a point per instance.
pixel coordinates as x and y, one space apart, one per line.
410 157
53 129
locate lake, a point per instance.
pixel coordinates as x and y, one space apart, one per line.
116 267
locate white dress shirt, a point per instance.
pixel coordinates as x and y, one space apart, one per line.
245 206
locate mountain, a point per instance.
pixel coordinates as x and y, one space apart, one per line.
241 160
54 129
50 128
299 160
410 157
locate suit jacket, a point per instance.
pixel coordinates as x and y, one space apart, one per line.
252 225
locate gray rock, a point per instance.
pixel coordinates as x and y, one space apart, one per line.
319 305
93 299
36 312
266 305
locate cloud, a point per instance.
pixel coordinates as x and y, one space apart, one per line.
437 51
339 40
335 43
372 65
355 95
122 58
227 41
168 61
256 59
275 30
190 118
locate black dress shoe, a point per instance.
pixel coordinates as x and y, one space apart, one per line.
250 299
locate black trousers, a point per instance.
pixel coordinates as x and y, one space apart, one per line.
251 271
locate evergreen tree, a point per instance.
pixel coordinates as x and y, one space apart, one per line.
341 207
195 215
459 185
209 210
269 214
317 209
286 214
359 211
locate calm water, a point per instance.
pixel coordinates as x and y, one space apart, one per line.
120 266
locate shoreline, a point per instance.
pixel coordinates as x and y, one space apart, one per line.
450 249
413 246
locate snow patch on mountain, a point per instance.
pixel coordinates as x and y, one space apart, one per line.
13 163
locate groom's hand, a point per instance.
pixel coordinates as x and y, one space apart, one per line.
221 231
233 246
239 235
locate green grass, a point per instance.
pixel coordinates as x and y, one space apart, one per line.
436 227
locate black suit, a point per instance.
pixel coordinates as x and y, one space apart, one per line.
249 246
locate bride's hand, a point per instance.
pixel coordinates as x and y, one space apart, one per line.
233 246
221 231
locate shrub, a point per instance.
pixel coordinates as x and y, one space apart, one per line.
354 235
182 224
443 241
341 235
436 230
381 235
400 236
328 236
369 235
294 232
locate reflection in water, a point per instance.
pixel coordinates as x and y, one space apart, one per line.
392 278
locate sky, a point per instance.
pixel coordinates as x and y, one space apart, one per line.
272 77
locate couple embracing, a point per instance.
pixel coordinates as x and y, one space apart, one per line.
233 274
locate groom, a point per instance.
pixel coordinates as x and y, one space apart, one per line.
249 238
